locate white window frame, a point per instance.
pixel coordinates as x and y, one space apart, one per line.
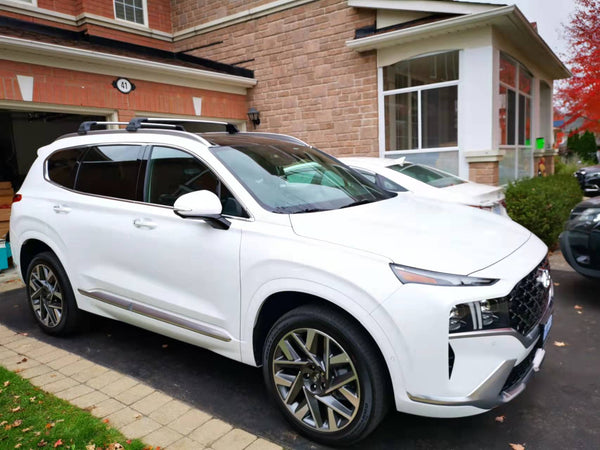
516 89
33 3
130 22
419 89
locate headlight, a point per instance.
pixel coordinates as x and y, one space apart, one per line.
482 315
412 275
591 215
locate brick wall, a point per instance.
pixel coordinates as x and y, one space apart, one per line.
484 172
73 88
189 13
310 84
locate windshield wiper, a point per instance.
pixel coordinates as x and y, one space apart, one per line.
358 202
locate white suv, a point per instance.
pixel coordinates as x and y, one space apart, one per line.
272 253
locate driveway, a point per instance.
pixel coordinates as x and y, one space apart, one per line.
560 409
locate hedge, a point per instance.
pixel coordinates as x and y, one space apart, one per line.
542 204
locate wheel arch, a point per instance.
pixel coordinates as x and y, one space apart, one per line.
279 303
29 249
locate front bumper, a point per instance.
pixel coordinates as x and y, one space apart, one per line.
453 375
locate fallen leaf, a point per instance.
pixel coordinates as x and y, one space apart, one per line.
6 383
32 399
16 397
17 409
18 370
114 446
49 425
18 445
578 307
579 312
500 419
22 361
25 430
58 443
7 427
90 447
106 421
42 443
37 433
556 284
137 416
559 344
517 446
17 423
4 422
59 420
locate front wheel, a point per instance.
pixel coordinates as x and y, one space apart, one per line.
50 296
325 375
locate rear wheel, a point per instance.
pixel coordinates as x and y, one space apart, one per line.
325 375
50 295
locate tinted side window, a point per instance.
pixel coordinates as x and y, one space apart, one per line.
172 173
111 171
62 166
389 185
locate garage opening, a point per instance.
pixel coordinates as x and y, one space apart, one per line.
23 132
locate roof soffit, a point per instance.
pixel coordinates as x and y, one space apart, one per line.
509 21
428 6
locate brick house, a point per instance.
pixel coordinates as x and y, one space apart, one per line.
466 87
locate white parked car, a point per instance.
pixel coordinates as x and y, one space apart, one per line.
398 175
272 253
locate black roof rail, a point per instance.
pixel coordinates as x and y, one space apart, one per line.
177 124
85 127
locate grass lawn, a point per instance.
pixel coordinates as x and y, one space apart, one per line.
32 419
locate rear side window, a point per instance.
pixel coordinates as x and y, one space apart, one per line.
63 165
110 171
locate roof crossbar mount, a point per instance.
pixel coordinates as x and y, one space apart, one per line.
85 127
178 124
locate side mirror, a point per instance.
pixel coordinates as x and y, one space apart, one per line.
202 205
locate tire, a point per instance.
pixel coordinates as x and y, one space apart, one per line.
50 296
337 400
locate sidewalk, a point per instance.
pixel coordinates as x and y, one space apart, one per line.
134 408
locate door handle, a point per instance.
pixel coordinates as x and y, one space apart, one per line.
144 223
61 209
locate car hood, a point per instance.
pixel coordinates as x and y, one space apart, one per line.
418 232
475 193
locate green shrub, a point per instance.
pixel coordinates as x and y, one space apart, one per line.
542 204
564 168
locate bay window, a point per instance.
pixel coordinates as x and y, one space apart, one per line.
420 109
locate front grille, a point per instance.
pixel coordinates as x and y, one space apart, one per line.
519 371
528 300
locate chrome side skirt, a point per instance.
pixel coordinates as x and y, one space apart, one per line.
157 314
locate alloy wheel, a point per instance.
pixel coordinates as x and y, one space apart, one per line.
316 380
45 295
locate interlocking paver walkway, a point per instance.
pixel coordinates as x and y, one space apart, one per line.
136 409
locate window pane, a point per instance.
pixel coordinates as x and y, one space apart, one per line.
420 71
446 161
63 165
111 171
502 115
507 166
524 81
508 72
439 117
173 173
401 122
131 10
525 162
511 117
119 10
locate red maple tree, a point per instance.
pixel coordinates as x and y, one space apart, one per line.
580 95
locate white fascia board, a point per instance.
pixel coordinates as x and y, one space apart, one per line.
486 18
430 6
52 55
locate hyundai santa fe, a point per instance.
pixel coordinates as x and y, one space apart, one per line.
270 252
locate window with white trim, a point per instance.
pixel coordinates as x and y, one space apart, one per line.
514 120
131 10
420 109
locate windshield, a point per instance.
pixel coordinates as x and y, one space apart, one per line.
287 178
429 175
